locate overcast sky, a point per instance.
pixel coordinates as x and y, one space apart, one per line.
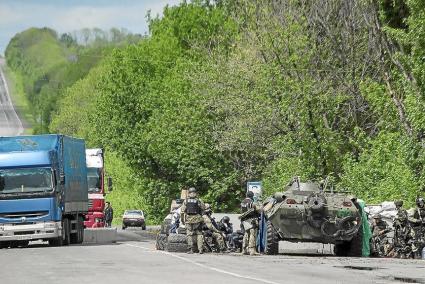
70 15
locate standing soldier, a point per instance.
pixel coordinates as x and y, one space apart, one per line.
109 214
213 227
418 228
249 217
402 234
191 216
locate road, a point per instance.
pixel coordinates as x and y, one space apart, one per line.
10 124
131 261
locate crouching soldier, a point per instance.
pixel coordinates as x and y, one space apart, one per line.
191 216
379 236
213 228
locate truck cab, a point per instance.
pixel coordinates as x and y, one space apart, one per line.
95 217
43 189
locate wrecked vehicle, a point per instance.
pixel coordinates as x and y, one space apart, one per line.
310 212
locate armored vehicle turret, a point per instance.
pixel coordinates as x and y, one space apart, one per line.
309 212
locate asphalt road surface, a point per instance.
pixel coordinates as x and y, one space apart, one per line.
10 124
135 260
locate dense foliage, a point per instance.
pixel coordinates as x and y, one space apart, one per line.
225 92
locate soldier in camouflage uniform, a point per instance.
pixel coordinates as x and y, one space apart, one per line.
250 223
402 236
418 228
213 228
191 215
379 236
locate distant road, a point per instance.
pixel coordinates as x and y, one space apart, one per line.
10 124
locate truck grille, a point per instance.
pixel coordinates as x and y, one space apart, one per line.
18 215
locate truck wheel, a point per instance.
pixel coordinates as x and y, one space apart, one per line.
272 246
66 231
81 231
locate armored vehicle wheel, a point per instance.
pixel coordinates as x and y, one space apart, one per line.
352 248
161 241
177 243
272 246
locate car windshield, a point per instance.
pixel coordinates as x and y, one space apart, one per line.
94 180
25 180
133 212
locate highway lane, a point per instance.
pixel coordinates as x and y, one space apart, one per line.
139 262
10 124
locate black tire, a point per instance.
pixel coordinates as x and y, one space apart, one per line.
165 226
66 231
4 245
272 246
161 242
80 231
352 248
177 247
177 238
73 236
177 243
355 247
56 242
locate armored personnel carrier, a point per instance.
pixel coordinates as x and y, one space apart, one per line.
309 212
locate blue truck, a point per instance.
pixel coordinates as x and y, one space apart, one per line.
43 190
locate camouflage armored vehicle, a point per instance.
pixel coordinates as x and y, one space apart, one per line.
308 212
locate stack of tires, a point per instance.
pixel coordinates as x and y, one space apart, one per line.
177 243
161 238
171 242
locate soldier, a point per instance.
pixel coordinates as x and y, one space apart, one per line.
379 235
227 228
418 228
402 236
212 226
191 215
250 214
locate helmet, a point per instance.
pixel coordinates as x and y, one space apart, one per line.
398 203
250 194
226 219
377 216
420 202
192 192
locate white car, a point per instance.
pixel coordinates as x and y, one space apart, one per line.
133 218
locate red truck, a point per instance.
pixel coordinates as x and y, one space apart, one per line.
95 177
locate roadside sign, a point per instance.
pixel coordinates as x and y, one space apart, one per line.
255 187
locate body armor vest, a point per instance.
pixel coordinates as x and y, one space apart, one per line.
192 206
246 204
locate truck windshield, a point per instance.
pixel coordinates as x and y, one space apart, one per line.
25 180
94 180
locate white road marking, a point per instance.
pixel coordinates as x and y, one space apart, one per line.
207 267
